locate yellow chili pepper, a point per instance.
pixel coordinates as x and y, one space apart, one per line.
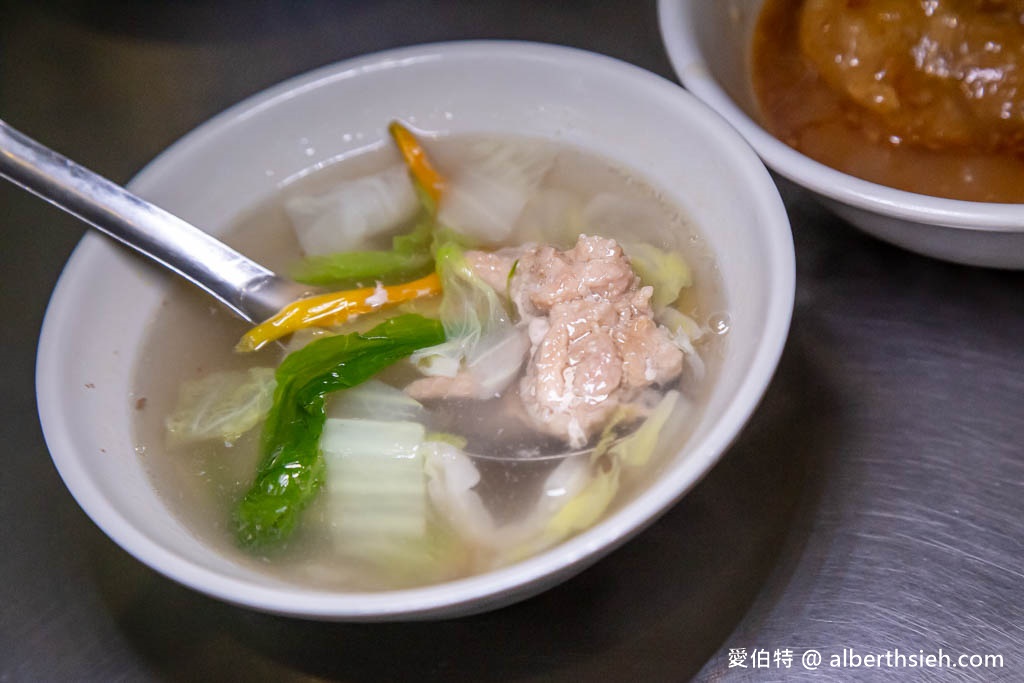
417 160
325 310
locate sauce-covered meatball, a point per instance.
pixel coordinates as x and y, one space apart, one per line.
932 72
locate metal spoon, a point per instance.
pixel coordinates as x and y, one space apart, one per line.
244 286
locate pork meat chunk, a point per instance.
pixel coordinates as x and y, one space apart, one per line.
546 276
595 342
572 376
462 385
649 356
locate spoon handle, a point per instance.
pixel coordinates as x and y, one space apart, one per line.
247 288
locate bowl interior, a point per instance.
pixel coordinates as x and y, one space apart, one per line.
106 296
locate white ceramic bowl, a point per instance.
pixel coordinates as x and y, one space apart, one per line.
709 46
96 318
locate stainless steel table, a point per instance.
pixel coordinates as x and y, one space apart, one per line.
874 503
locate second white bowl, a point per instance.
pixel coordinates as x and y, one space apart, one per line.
709 45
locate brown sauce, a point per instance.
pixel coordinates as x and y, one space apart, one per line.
920 95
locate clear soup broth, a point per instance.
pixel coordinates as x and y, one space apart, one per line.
201 482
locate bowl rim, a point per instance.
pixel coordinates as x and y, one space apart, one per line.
679 36
519 579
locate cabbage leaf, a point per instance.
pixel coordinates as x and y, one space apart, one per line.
375 400
408 259
583 509
353 211
489 191
379 511
481 337
636 449
222 405
376 488
666 271
451 481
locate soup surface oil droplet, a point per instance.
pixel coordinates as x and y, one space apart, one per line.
719 323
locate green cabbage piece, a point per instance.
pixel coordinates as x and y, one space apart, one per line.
664 270
408 259
586 507
636 449
580 490
222 405
481 337
470 308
